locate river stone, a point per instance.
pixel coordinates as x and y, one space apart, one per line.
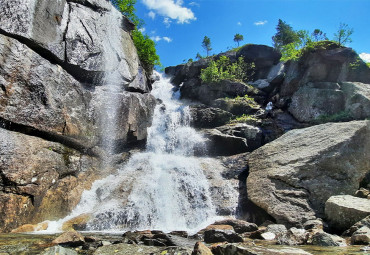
130 249
201 249
70 238
277 229
240 226
361 236
325 239
362 223
292 177
343 211
218 235
231 249
59 250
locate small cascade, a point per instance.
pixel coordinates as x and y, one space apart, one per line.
163 187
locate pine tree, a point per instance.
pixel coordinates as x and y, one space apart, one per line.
238 38
284 35
206 44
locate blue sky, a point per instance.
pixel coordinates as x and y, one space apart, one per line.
179 26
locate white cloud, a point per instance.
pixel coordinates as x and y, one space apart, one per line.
194 4
365 56
142 30
158 38
171 9
260 23
167 22
239 23
151 14
167 39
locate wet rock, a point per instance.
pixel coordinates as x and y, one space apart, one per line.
344 210
294 236
252 134
76 222
208 117
70 238
221 144
130 249
325 239
31 227
217 235
362 193
277 229
218 226
268 236
361 236
292 177
41 179
59 250
201 249
362 223
313 224
240 226
231 249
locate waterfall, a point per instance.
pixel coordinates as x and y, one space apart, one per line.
163 187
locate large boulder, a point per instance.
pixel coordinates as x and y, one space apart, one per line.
264 57
208 117
327 62
325 99
40 180
70 34
343 211
292 177
207 92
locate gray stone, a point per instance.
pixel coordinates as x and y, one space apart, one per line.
221 144
313 224
361 236
362 223
294 236
325 239
357 99
41 180
252 134
231 249
240 226
277 229
310 103
59 250
343 211
276 73
292 177
208 117
217 235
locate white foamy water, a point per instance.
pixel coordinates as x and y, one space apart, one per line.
163 188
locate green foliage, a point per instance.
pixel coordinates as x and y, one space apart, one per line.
144 45
238 38
338 117
222 69
146 51
246 98
368 65
319 35
198 56
284 35
206 44
343 35
244 119
127 8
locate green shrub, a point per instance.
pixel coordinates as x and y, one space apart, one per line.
144 45
246 98
338 117
368 65
244 119
223 69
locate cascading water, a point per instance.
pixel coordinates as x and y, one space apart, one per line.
162 188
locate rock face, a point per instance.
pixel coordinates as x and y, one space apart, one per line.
292 177
343 211
40 180
56 60
328 98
